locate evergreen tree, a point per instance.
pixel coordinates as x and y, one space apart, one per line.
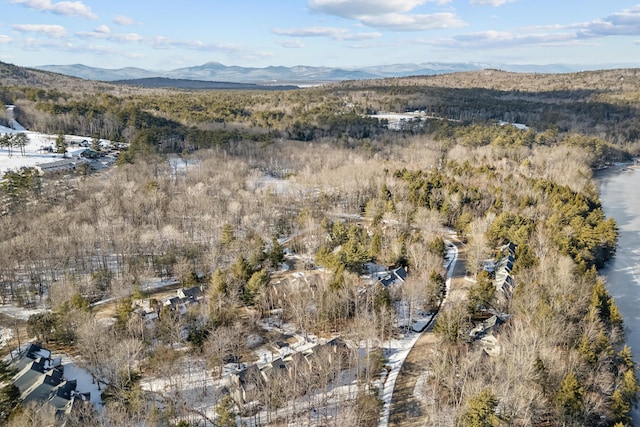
219 283
570 396
61 144
6 140
95 144
481 410
276 253
258 281
227 236
21 140
225 415
481 294
9 401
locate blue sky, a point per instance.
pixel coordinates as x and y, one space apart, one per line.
169 34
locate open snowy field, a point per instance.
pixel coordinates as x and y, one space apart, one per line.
34 152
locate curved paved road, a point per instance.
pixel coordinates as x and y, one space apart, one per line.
405 407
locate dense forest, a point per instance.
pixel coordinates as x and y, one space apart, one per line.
218 188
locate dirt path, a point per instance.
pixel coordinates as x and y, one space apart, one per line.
405 404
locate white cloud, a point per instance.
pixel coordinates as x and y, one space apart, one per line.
161 42
400 22
493 3
622 23
507 38
329 32
128 38
360 36
626 22
123 20
66 8
5 39
356 8
389 14
233 50
291 44
57 31
104 33
102 29
310 32
58 45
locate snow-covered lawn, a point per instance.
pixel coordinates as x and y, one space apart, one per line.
34 153
84 380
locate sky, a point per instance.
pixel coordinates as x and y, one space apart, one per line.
169 34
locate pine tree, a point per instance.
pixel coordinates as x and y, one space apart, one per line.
276 254
21 140
481 294
225 416
95 144
570 396
61 144
258 281
481 411
227 236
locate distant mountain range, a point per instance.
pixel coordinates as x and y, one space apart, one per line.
164 82
298 75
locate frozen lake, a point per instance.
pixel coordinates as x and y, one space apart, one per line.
621 199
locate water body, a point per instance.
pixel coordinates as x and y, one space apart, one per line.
620 198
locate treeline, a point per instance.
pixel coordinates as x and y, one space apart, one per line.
567 105
598 103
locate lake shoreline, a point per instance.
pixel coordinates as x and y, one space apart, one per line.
617 187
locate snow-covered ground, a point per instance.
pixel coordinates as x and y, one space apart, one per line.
396 351
16 312
34 153
71 371
84 380
399 121
6 335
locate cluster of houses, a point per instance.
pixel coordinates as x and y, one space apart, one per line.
67 164
180 303
502 271
40 379
245 385
487 330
